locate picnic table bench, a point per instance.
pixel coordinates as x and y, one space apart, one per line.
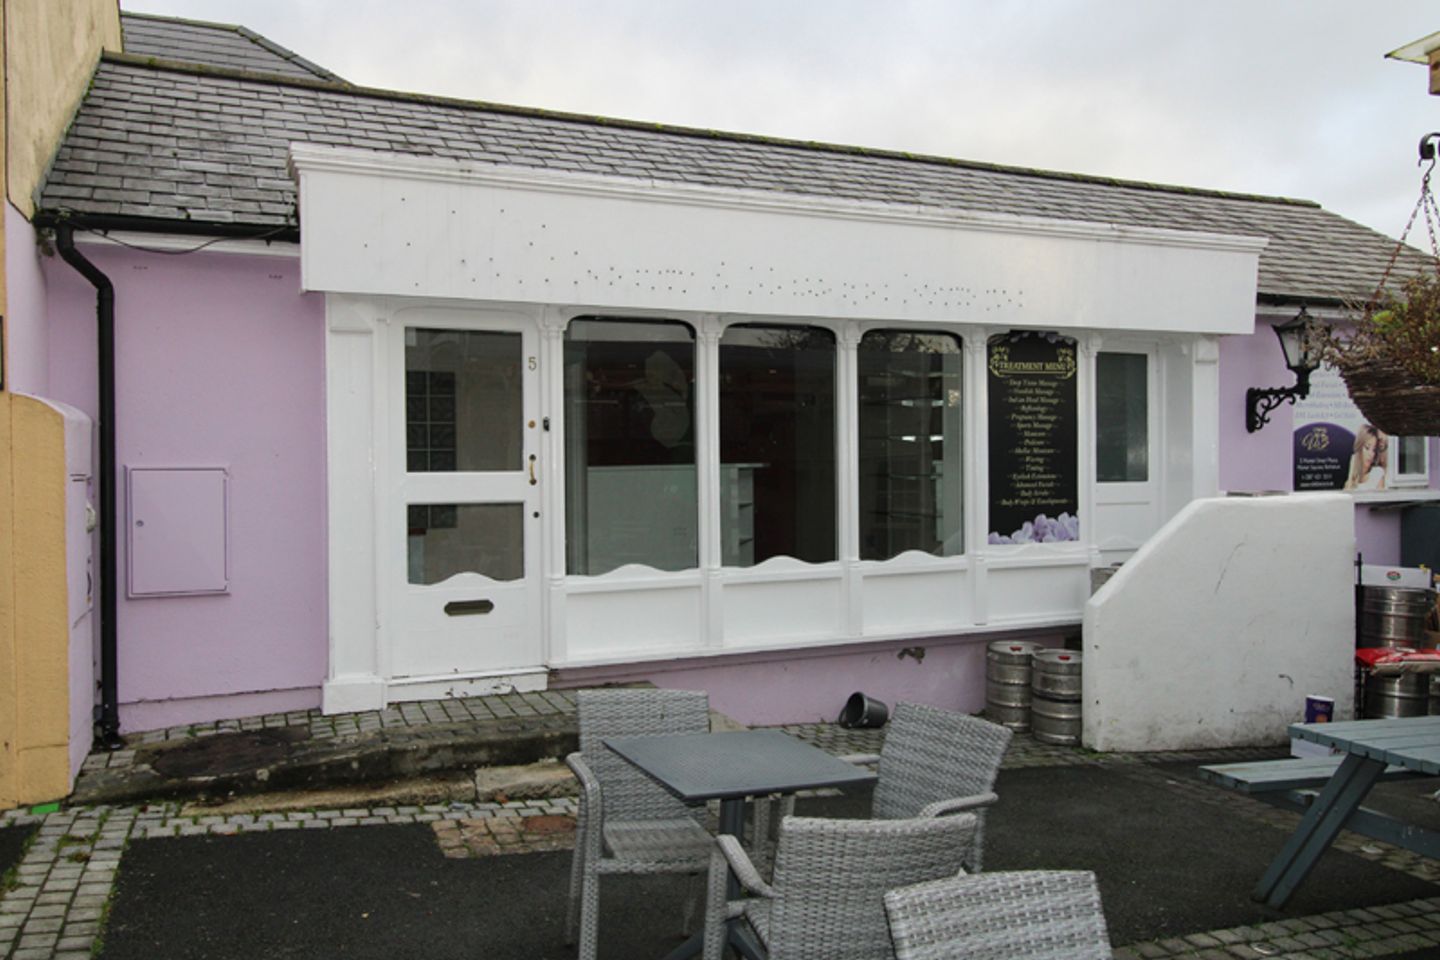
1329 790
1274 781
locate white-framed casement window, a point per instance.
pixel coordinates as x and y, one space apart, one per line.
1409 462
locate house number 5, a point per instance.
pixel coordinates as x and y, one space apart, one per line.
533 364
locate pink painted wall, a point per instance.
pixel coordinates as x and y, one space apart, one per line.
812 686
219 362
27 367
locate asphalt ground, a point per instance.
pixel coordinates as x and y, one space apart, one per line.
12 846
1168 864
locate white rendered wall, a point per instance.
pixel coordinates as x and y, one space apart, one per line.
1216 630
412 226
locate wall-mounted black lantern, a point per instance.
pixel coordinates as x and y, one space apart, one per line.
1300 345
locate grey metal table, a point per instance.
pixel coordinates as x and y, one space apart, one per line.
1369 747
732 768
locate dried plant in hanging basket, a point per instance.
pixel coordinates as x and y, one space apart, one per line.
1390 358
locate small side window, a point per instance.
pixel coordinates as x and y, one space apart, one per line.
1410 466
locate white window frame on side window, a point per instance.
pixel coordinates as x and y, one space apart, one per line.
1420 478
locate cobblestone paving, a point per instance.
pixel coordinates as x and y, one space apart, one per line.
500 707
56 908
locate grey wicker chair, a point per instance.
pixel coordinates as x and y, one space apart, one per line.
1020 915
936 762
826 900
627 823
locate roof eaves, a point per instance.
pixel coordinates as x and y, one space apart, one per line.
812 146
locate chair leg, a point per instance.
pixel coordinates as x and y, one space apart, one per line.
716 890
589 914
577 870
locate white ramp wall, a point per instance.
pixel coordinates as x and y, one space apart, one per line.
1215 631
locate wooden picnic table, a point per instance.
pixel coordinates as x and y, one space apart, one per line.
1369 751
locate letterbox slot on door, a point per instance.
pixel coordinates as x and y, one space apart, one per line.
468 608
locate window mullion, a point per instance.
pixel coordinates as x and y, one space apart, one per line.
847 442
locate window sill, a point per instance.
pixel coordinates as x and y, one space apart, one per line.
1394 499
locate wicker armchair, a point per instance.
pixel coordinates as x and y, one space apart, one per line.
1020 915
936 762
627 823
826 901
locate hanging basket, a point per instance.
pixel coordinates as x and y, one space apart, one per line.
1392 401
1391 358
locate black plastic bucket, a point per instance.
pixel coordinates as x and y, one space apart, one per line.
862 712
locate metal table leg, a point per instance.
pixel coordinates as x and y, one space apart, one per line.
737 935
1340 798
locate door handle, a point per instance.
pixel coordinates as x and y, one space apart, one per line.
533 481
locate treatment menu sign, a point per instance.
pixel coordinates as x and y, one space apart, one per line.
1034 454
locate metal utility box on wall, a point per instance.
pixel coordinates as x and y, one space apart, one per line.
176 537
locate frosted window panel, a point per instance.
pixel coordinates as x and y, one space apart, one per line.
1122 436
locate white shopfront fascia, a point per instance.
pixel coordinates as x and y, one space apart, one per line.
385 233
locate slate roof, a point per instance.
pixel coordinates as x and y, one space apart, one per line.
213 44
209 146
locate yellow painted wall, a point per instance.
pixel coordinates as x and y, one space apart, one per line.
51 48
34 632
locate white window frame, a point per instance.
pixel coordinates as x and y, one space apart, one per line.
1420 478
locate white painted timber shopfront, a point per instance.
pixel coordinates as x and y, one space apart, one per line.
578 421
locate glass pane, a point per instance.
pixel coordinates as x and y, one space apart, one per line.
777 444
444 539
463 400
1122 436
629 446
910 419
1411 460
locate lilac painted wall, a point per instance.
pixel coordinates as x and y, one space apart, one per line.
1260 460
219 362
26 357
812 686
1377 535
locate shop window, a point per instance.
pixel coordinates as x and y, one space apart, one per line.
909 444
1122 437
630 492
777 444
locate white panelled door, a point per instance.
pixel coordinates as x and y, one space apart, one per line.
461 556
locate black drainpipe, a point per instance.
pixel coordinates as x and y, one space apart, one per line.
107 728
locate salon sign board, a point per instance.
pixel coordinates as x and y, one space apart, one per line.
1326 424
1034 455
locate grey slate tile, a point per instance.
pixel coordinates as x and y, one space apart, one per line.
219 144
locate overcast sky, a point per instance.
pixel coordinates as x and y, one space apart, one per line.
1285 97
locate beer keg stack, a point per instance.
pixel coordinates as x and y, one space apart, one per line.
1030 687
1398 617
1007 682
